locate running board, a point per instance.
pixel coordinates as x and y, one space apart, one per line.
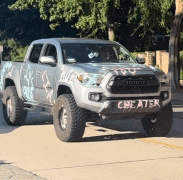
43 110
29 107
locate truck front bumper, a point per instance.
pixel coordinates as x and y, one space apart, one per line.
131 106
115 104
120 103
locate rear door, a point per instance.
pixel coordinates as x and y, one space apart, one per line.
29 69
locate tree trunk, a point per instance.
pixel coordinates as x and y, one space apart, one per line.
111 33
110 23
174 68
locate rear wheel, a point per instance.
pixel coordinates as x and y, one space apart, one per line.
13 107
68 118
159 124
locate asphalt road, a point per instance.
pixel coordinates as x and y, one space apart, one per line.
108 150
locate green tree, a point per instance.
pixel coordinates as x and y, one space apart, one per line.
26 25
151 15
157 13
91 16
13 50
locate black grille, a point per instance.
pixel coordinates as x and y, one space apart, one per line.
118 85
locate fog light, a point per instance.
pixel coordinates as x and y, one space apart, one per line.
95 96
111 83
165 95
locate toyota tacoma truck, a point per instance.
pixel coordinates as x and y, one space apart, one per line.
80 80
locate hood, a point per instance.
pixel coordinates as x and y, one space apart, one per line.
157 71
105 68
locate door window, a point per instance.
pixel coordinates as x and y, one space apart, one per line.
35 54
51 51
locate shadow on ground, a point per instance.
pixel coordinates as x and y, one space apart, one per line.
131 129
128 129
5 128
114 137
177 128
33 118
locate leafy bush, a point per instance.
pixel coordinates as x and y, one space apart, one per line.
134 54
13 50
181 56
181 74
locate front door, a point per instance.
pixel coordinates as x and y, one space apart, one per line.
46 77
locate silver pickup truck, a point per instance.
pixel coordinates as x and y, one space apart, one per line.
80 80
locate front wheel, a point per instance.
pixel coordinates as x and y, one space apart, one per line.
159 124
68 118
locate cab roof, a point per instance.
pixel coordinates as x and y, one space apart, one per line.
75 40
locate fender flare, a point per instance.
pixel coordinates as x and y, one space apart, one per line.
65 84
17 86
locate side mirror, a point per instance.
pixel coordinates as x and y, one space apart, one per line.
71 60
141 60
47 60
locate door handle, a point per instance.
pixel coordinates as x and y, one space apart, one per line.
39 72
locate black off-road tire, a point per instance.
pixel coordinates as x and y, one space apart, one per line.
160 123
18 115
66 108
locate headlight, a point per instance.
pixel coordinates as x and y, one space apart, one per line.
90 79
164 79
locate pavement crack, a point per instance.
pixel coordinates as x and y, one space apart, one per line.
104 164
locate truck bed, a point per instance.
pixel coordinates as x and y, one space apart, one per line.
8 68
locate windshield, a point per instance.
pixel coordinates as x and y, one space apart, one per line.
95 53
